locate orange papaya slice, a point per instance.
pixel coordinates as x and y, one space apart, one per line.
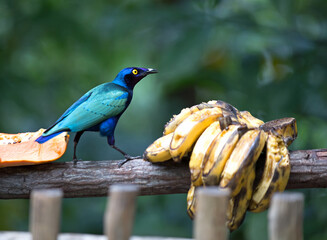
21 149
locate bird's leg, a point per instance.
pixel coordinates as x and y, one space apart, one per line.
126 156
76 140
111 142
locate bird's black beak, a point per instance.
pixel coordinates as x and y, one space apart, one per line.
151 71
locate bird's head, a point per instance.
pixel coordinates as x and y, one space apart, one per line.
129 77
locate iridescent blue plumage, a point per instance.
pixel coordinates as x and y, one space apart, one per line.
99 109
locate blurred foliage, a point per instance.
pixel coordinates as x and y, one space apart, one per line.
268 57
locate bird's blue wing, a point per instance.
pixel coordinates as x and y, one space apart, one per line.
71 109
99 106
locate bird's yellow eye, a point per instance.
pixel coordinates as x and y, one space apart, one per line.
135 71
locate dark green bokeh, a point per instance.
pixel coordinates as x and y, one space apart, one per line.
266 57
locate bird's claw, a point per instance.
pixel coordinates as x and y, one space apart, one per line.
75 160
127 159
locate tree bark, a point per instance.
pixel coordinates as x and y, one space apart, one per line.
92 178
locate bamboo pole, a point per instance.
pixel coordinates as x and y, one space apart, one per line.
45 214
285 216
119 216
210 220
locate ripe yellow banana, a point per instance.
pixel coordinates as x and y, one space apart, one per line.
275 175
285 128
189 131
158 151
179 118
227 109
220 150
191 201
201 148
242 160
244 117
226 146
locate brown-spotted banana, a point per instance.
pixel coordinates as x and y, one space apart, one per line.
243 159
226 108
158 151
201 149
188 132
221 148
226 146
274 170
239 174
275 174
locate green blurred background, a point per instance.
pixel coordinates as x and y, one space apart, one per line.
268 57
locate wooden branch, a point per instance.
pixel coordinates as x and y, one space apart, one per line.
92 178
308 169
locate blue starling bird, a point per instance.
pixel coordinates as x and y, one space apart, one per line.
99 109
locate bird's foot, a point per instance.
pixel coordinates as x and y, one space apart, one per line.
127 159
75 160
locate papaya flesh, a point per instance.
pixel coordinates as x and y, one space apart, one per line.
21 149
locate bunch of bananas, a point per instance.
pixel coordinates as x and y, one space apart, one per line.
230 149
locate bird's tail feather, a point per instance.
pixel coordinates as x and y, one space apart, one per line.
43 139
